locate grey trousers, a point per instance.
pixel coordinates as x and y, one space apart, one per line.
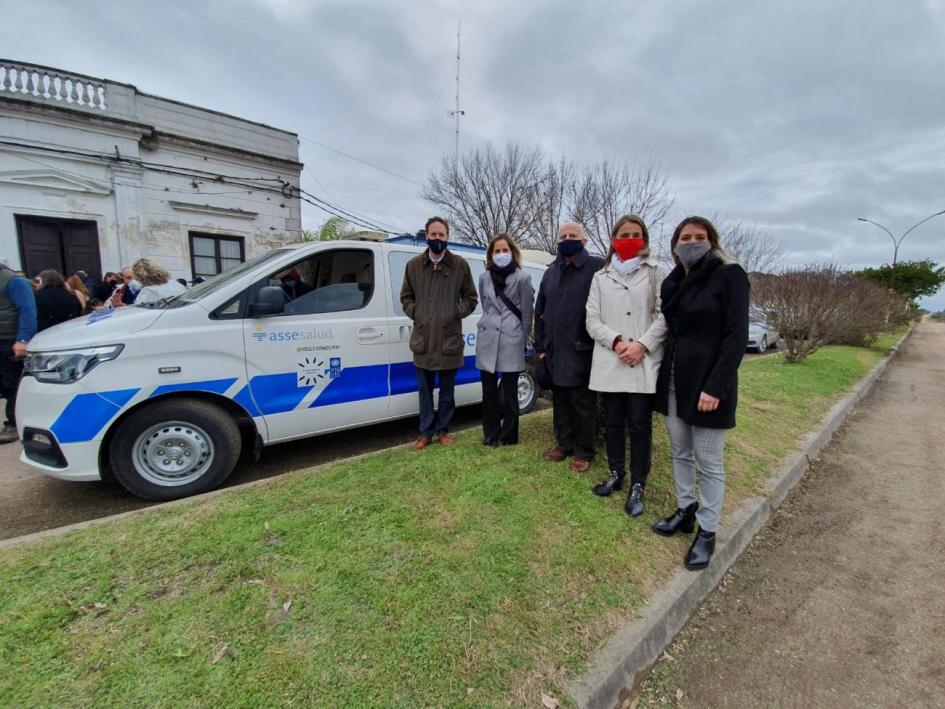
694 447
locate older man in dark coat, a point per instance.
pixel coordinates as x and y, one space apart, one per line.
561 339
437 293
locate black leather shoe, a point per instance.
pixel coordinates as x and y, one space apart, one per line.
680 521
613 482
701 550
634 506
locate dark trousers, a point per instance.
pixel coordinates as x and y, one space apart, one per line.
633 414
575 417
11 370
500 407
436 421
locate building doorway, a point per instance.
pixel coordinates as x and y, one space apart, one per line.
66 245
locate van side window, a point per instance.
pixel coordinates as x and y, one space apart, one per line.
398 265
476 268
327 282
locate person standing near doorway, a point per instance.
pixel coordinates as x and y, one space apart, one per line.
17 327
437 293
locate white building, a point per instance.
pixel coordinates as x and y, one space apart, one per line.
94 174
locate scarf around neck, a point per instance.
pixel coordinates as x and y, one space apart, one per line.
500 274
625 268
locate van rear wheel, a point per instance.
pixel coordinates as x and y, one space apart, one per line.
527 392
175 449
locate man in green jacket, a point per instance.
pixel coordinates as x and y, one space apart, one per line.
438 292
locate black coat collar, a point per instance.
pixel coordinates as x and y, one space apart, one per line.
678 281
578 260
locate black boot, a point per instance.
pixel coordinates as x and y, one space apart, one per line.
680 521
701 550
613 482
634 506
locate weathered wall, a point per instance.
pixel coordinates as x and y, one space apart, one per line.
141 210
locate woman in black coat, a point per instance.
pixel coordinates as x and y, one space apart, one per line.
705 303
54 303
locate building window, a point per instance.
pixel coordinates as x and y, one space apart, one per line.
211 254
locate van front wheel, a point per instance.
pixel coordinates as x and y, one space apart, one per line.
175 449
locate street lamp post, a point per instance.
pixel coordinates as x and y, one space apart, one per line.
898 242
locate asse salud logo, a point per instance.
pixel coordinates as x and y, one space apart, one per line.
291 335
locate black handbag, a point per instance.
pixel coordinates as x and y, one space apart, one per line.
543 374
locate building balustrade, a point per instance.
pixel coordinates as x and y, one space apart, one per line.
52 85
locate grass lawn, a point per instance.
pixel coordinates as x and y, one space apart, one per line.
455 576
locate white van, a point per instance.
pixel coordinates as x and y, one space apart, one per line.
165 398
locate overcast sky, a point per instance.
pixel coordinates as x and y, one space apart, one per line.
798 117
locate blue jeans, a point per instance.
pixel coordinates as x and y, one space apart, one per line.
436 421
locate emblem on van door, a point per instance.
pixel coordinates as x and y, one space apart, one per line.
312 371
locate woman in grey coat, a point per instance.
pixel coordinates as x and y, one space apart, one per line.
508 306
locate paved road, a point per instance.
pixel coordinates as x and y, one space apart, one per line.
841 600
31 502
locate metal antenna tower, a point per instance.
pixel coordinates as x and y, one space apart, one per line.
457 112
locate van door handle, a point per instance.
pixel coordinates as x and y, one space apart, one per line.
369 334
405 331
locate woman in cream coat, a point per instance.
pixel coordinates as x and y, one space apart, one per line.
624 318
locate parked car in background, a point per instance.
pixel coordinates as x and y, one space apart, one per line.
761 336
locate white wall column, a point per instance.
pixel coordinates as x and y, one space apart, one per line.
124 241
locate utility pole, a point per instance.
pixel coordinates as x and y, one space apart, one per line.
456 113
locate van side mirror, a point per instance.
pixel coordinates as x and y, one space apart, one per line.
269 301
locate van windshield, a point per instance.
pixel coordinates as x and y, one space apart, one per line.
211 285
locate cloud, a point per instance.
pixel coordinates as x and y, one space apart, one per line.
799 117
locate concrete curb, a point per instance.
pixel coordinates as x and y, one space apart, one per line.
623 662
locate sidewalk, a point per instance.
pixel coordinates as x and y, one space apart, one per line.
841 600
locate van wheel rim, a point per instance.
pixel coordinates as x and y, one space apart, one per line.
525 391
173 453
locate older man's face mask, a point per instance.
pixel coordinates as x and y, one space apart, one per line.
570 243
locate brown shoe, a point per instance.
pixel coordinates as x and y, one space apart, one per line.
446 439
555 455
421 443
580 466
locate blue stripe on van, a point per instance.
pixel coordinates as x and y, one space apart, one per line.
278 393
403 375
87 414
215 386
245 399
355 384
468 374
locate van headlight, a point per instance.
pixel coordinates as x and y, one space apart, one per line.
67 366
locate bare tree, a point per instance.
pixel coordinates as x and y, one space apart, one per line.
608 190
524 193
550 205
755 248
488 192
818 305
